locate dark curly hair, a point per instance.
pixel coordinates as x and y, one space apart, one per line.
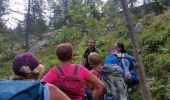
120 47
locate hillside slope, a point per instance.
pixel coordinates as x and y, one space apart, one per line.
154 42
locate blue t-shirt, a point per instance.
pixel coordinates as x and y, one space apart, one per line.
123 63
112 58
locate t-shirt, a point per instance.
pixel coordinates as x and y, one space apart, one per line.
53 78
85 56
111 59
117 59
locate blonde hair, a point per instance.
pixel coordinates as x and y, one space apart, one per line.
28 73
95 59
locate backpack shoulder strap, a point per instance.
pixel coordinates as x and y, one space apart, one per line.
46 94
120 57
60 70
97 70
43 83
76 70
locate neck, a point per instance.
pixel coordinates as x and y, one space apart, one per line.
66 63
91 48
113 53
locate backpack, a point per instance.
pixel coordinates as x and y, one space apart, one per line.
111 76
118 59
21 90
72 85
132 66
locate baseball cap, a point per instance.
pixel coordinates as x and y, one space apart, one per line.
25 59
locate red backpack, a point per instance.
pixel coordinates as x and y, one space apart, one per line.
71 84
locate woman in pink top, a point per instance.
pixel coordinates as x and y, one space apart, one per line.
71 78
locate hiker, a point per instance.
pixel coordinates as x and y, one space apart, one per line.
118 55
91 48
96 62
128 64
71 78
111 75
25 85
93 63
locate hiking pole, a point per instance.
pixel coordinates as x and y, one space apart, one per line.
140 66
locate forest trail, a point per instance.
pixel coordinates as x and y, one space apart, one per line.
40 44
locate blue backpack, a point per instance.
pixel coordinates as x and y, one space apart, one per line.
115 59
132 66
21 90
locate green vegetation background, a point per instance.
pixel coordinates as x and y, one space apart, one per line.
154 42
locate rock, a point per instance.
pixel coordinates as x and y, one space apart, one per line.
39 45
109 25
139 27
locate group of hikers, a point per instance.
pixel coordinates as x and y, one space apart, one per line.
93 79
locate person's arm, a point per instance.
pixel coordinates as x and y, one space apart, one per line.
57 94
98 84
94 73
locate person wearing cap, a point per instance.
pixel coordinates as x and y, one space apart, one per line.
91 48
26 66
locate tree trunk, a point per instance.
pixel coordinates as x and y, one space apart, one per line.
144 4
132 34
131 4
12 44
27 28
65 2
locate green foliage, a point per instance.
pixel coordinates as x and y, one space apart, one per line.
82 23
68 35
148 19
59 22
40 26
154 42
111 7
47 57
160 90
5 66
136 95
